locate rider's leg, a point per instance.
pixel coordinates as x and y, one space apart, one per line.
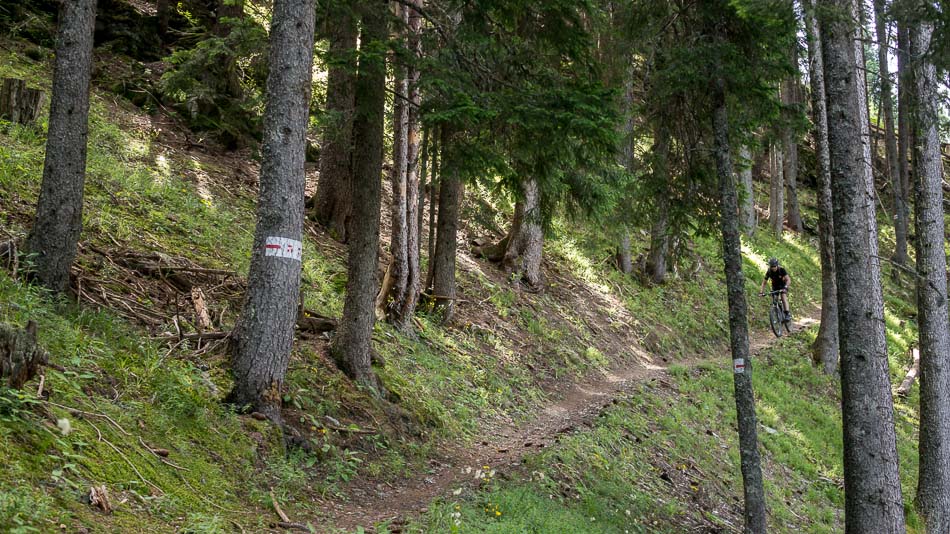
785 303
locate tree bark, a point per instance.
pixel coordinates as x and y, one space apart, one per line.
825 349
225 76
55 233
406 256
20 355
434 181
451 190
333 199
904 93
790 153
407 301
754 492
526 239
890 142
264 336
399 266
873 500
18 103
624 258
747 199
777 193
424 184
656 265
352 346
163 10
933 487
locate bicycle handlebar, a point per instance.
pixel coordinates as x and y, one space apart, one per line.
773 292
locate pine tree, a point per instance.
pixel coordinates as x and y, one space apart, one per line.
933 487
352 345
826 342
264 335
332 201
873 500
55 233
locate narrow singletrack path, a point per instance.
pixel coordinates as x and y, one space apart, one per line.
503 450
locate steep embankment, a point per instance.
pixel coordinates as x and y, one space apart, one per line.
135 382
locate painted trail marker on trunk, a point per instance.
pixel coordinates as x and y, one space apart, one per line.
283 247
738 366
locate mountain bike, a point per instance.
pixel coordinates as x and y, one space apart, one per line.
777 315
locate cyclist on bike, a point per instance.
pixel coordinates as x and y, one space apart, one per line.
780 282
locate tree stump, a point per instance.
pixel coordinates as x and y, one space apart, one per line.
20 356
19 103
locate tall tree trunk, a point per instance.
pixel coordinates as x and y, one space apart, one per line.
424 184
790 152
352 345
656 265
451 190
406 289
526 239
626 155
399 268
904 93
163 10
825 349
747 199
226 11
873 500
624 257
890 142
58 223
755 517
434 182
933 487
333 200
777 193
265 333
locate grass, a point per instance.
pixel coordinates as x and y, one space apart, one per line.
665 459
662 460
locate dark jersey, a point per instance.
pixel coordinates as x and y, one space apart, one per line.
777 277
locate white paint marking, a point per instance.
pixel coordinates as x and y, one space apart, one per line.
738 366
283 247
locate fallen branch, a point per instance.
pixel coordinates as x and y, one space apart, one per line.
74 411
126 458
280 513
293 526
198 336
908 382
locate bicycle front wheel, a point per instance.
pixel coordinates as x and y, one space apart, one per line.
775 320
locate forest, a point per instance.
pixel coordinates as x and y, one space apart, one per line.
474 266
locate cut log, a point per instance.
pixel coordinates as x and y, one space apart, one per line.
20 356
908 382
313 322
201 309
18 103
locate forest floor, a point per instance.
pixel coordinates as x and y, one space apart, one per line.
622 389
504 450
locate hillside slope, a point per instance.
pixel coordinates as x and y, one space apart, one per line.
168 212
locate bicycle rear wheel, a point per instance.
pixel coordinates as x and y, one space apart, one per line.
775 320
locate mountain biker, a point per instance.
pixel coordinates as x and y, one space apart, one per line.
780 282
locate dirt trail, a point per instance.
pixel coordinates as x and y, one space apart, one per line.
577 404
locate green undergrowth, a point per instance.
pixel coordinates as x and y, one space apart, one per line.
686 317
131 395
665 459
454 382
141 195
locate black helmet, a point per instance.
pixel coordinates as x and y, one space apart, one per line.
773 262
